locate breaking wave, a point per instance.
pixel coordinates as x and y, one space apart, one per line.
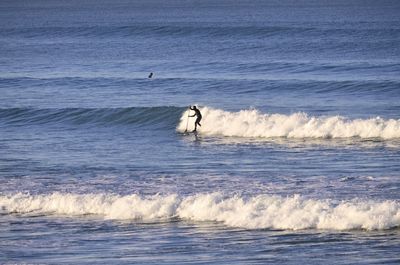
252 123
257 212
216 122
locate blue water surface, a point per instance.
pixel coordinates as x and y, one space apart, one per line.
78 115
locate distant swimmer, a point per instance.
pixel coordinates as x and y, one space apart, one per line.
198 114
150 75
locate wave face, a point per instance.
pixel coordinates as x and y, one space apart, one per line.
252 123
258 212
104 116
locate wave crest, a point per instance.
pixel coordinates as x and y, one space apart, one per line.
257 212
252 123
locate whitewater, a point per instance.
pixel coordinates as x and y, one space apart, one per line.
258 212
253 123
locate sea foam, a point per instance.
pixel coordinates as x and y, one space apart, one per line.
252 123
256 212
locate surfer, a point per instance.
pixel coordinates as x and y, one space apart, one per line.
198 114
151 75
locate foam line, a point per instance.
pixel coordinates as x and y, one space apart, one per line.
257 212
252 123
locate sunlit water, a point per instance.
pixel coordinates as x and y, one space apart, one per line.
297 160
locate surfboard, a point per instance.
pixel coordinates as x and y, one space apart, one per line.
190 133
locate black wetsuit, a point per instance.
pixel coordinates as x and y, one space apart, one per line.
198 114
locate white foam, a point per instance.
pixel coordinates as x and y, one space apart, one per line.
252 123
262 211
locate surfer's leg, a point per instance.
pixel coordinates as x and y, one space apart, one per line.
198 121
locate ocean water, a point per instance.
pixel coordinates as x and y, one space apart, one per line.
297 160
